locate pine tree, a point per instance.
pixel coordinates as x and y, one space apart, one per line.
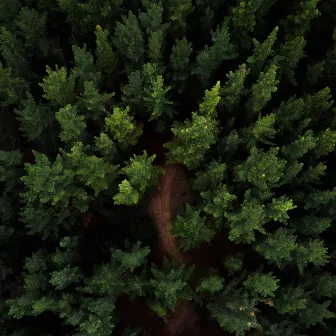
180 63
243 21
106 58
58 86
168 285
261 284
192 229
129 42
36 120
277 210
11 87
251 217
264 87
312 251
122 127
210 285
300 147
262 169
84 68
291 299
234 311
234 89
141 175
211 57
278 247
194 138
210 178
261 52
92 171
72 124
299 23
93 103
32 26
234 263
218 202
288 58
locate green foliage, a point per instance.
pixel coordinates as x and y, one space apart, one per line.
168 285
94 101
180 63
212 284
263 131
312 251
315 313
211 57
262 284
131 259
129 41
262 169
91 170
261 52
122 127
58 86
238 96
192 140
211 178
71 123
32 26
218 202
11 87
299 23
141 176
291 299
233 89
234 311
251 217
192 229
277 210
106 59
264 87
278 247
289 56
234 263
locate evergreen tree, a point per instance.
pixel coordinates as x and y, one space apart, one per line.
211 57
168 285
180 63
192 229
129 42
141 175
262 90
261 52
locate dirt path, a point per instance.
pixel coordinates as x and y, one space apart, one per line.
164 206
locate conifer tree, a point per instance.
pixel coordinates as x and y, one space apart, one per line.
264 87
180 63
234 89
261 52
129 42
59 86
106 58
192 229
141 175
211 57
121 125
169 285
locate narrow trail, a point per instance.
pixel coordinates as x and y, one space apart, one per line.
163 207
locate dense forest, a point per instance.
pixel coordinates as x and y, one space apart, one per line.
168 167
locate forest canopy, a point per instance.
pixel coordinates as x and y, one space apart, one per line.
167 167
